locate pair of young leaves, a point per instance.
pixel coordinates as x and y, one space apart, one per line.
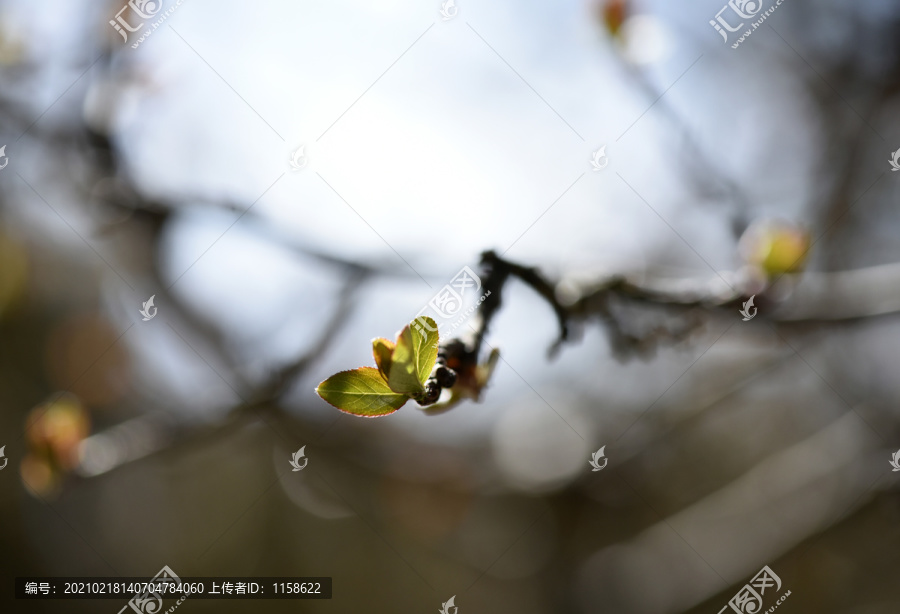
403 369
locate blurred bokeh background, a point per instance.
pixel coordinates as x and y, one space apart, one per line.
165 170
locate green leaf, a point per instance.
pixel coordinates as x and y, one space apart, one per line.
383 350
361 392
414 356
